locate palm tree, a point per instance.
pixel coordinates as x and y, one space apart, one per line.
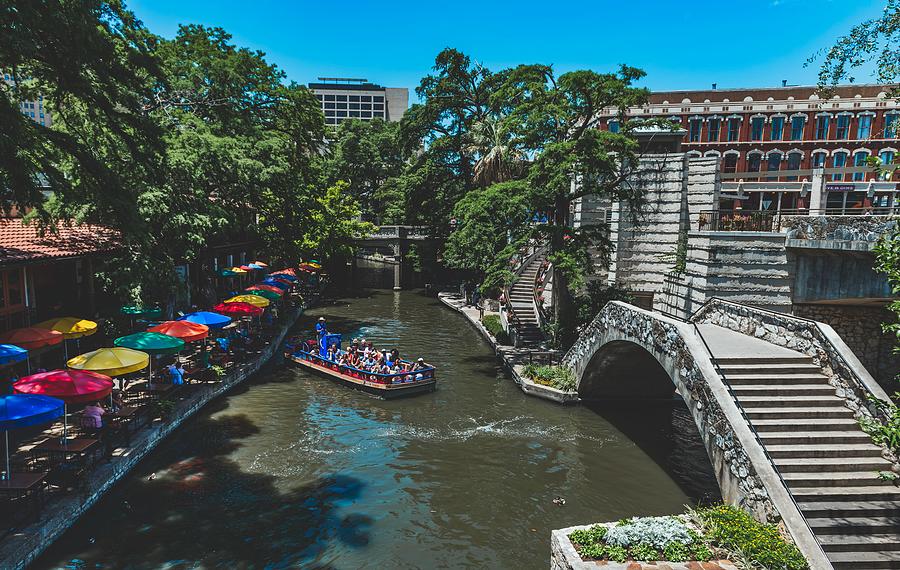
498 158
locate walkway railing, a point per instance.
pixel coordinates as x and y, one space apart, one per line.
774 221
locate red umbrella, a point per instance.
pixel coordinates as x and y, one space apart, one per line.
238 309
246 268
32 337
289 271
262 287
185 330
70 386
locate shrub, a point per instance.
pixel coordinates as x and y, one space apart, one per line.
559 377
587 536
658 532
617 553
597 551
644 552
495 327
885 433
677 552
732 529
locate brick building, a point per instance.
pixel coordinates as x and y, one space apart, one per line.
783 128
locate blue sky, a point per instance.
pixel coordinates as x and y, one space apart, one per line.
680 44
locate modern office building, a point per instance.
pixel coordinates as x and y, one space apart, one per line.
782 128
346 98
33 109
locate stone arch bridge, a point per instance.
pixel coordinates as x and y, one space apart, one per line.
747 376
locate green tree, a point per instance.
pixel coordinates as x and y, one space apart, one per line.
874 42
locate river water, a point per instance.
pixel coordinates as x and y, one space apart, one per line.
293 471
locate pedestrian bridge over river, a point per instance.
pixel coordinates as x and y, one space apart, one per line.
775 399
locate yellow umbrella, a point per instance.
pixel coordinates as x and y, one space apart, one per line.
254 300
111 361
70 327
238 270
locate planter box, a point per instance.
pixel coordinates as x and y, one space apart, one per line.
563 556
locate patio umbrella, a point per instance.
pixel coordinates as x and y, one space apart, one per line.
185 330
21 410
212 320
70 327
264 294
246 267
266 287
151 343
228 273
260 263
146 312
255 266
252 299
111 361
285 276
287 271
10 353
32 337
238 309
238 270
70 386
279 281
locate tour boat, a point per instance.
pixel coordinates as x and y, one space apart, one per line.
310 355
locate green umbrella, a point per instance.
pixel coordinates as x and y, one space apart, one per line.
264 294
146 312
151 343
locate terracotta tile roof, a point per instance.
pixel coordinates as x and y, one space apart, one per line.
23 243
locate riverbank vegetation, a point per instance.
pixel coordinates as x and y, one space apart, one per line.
559 377
495 327
704 534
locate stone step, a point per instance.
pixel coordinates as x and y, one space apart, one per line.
820 509
884 492
855 525
865 560
807 437
754 360
790 401
830 464
769 369
811 424
832 479
784 390
797 413
753 379
859 542
867 449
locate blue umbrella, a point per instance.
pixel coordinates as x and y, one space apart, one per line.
255 266
212 320
10 353
276 283
23 410
287 276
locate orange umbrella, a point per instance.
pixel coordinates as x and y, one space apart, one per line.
32 337
185 330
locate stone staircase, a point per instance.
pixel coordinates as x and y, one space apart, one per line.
827 462
521 302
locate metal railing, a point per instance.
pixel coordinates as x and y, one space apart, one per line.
773 220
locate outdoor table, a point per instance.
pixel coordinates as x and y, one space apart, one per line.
155 391
26 486
81 448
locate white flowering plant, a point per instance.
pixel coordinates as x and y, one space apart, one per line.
658 532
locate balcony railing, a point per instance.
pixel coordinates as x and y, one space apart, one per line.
777 221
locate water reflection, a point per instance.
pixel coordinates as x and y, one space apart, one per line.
293 471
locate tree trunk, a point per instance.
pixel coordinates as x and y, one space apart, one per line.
563 305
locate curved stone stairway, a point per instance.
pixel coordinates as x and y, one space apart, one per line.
828 463
521 303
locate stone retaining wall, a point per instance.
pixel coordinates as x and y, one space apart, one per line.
23 547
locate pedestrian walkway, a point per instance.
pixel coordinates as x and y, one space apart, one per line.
829 465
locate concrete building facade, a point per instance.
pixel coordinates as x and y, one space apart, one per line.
33 109
346 98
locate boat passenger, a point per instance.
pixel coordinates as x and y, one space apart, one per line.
332 353
417 367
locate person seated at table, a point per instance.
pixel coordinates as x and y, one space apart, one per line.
176 370
117 402
92 416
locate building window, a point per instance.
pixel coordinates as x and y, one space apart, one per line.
819 160
613 125
842 127
712 131
840 161
729 165
696 125
890 125
793 163
887 158
859 159
777 128
822 127
754 161
734 129
773 163
864 128
756 128
797 125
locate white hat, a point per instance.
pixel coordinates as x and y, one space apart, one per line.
321 318
421 360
